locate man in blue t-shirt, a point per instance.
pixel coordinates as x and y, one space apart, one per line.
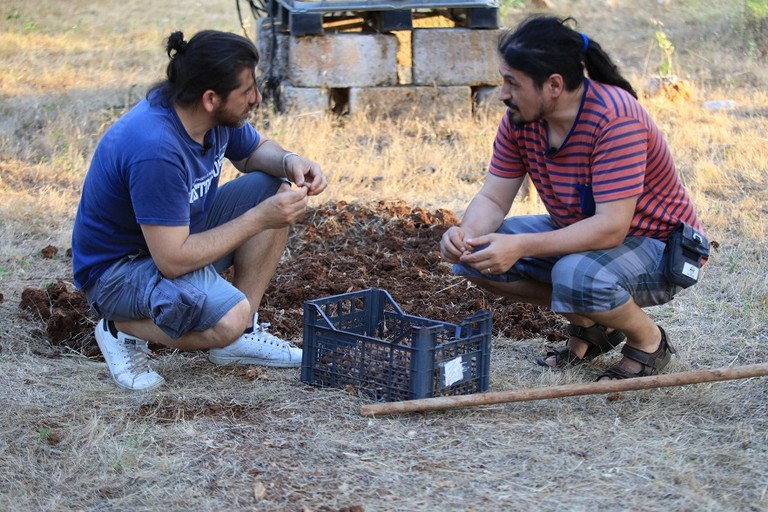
154 229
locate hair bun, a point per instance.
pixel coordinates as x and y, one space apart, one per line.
176 43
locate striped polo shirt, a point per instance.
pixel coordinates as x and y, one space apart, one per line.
614 151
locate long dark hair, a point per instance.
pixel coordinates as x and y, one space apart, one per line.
210 60
543 45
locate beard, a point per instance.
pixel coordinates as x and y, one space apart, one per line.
517 117
225 117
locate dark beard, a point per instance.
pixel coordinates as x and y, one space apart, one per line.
230 121
516 116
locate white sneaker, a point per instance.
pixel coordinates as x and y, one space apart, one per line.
127 358
258 347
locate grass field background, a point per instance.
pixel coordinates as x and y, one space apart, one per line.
212 439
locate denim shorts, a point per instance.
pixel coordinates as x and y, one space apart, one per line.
591 281
133 288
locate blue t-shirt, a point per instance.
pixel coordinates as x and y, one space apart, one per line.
148 170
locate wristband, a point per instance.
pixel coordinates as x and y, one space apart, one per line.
285 158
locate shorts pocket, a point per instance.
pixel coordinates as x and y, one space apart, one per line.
175 306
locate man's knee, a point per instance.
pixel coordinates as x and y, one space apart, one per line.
581 284
231 325
573 268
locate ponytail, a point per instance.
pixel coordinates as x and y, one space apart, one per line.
601 68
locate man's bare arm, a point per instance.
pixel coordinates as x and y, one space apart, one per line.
177 252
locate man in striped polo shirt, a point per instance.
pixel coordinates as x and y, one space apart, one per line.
613 196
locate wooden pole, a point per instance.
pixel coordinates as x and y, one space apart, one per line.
589 388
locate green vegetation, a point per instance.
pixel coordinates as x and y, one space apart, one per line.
666 67
758 9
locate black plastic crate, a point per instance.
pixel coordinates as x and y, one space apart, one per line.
363 341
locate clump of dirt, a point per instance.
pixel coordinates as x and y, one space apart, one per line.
670 87
49 252
340 248
66 316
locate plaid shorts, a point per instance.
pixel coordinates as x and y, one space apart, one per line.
592 281
133 288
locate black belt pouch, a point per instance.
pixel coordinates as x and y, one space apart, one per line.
687 250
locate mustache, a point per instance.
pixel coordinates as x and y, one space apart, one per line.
511 105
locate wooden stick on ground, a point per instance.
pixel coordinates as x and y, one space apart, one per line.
589 388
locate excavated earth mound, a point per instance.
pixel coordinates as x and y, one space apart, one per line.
338 248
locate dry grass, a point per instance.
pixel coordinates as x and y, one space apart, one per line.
210 439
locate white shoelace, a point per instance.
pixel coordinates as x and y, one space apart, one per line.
138 353
260 334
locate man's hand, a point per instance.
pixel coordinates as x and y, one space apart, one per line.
452 244
283 209
305 173
494 253
271 158
489 254
176 251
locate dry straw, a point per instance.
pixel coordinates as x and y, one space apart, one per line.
212 439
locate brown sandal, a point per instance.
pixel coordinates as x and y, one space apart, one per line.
599 343
652 363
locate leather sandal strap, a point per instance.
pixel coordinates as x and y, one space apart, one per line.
646 358
564 355
652 363
665 339
598 337
594 335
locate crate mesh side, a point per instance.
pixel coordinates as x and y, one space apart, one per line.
376 368
369 348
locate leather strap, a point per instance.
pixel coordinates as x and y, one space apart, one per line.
649 359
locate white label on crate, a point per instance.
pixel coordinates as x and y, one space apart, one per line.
454 371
